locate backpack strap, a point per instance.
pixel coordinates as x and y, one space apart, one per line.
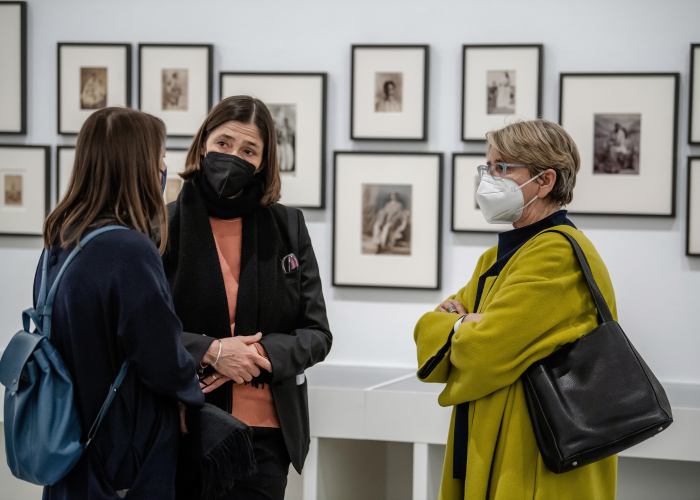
107 402
44 307
42 317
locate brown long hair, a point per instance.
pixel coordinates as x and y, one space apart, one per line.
115 177
243 109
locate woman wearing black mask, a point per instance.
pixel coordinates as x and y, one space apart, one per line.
245 283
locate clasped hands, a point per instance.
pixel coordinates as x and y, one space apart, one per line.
456 307
241 359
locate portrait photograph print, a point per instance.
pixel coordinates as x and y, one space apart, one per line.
500 83
692 222
91 76
24 189
389 92
175 84
297 103
694 98
13 67
466 214
386 220
626 141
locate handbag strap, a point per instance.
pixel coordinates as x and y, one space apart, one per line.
604 314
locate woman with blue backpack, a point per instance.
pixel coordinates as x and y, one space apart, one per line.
113 316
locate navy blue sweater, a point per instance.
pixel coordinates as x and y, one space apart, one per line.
113 303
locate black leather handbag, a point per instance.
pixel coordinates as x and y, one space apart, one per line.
594 397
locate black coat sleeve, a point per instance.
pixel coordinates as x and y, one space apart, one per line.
310 341
149 329
196 344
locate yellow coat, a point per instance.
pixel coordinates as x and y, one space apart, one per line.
537 303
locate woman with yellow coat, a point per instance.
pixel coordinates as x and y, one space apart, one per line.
526 298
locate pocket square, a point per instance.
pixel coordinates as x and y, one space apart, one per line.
289 263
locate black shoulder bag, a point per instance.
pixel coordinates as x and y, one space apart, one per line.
594 397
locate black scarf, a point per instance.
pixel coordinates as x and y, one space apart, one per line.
197 285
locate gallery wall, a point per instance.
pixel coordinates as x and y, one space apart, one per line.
657 285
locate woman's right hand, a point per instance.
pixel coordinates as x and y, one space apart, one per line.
452 306
239 359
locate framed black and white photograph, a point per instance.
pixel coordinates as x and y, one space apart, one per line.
466 214
24 189
389 92
91 76
694 98
13 67
65 158
500 83
626 140
175 159
387 219
692 222
297 102
175 84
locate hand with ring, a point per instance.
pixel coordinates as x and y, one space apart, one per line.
212 381
451 306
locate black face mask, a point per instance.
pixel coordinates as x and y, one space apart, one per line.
227 175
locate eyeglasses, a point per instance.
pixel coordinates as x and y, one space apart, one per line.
499 169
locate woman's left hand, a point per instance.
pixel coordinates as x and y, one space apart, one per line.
452 306
212 382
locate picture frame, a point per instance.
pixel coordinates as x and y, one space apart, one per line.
297 102
694 96
13 68
692 217
24 189
627 142
175 159
175 84
500 83
466 215
387 220
65 159
389 92
90 76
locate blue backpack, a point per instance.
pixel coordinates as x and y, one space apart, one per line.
42 425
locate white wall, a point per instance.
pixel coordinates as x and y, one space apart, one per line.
657 286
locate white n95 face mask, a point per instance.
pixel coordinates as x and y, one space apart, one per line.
501 199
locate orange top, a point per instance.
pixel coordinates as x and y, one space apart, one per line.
251 405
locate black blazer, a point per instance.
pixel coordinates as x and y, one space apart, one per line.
287 307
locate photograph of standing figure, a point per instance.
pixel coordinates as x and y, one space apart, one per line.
285 117
500 92
386 219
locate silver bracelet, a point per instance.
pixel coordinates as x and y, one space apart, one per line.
218 354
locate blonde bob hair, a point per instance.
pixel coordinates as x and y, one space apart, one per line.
541 145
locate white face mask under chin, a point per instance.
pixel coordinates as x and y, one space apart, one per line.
501 199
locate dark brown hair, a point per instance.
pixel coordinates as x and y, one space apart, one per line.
243 109
116 176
